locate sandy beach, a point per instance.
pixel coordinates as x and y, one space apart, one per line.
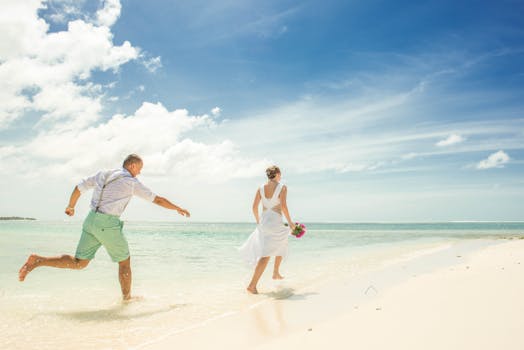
472 302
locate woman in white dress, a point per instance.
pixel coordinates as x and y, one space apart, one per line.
271 235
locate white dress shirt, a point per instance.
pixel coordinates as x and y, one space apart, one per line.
117 193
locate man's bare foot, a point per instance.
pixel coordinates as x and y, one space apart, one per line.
252 290
277 276
29 265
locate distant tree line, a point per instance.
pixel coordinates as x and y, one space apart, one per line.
15 218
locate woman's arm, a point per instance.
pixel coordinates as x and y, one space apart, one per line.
256 202
285 211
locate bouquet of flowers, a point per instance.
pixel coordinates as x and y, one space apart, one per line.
299 231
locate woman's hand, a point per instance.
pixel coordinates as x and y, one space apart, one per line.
292 226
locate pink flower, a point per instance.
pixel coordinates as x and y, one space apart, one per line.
299 231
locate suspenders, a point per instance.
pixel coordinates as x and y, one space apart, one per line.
103 188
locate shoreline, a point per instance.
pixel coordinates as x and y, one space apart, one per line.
474 305
354 309
80 218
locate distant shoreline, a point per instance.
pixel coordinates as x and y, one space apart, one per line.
15 218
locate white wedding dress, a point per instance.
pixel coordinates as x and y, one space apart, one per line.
271 235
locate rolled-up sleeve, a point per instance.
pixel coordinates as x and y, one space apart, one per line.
143 192
88 183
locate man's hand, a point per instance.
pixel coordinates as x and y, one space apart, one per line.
70 211
183 212
161 201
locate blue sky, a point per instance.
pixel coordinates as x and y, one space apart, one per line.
375 110
218 53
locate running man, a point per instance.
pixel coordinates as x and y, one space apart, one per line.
112 191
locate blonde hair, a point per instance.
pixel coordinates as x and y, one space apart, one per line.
272 171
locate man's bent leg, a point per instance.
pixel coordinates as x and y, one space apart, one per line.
63 262
124 275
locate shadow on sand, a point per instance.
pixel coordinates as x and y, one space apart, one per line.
116 313
287 294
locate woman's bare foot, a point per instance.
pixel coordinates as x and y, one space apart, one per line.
252 290
126 299
29 265
277 276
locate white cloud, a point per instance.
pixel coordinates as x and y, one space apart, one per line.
49 73
20 27
495 160
411 155
450 140
314 135
63 11
353 168
53 66
152 64
270 25
152 131
216 111
108 15
65 15
62 101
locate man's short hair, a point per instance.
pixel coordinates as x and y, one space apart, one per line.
132 159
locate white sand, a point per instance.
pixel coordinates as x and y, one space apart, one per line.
475 304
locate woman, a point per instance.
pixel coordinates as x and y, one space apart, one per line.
270 236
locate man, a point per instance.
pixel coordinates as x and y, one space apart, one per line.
112 191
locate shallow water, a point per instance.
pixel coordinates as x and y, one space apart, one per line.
186 274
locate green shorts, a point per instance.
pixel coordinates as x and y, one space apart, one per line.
102 229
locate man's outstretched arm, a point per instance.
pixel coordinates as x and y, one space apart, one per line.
163 202
70 210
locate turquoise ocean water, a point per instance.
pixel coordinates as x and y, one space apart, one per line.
186 273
